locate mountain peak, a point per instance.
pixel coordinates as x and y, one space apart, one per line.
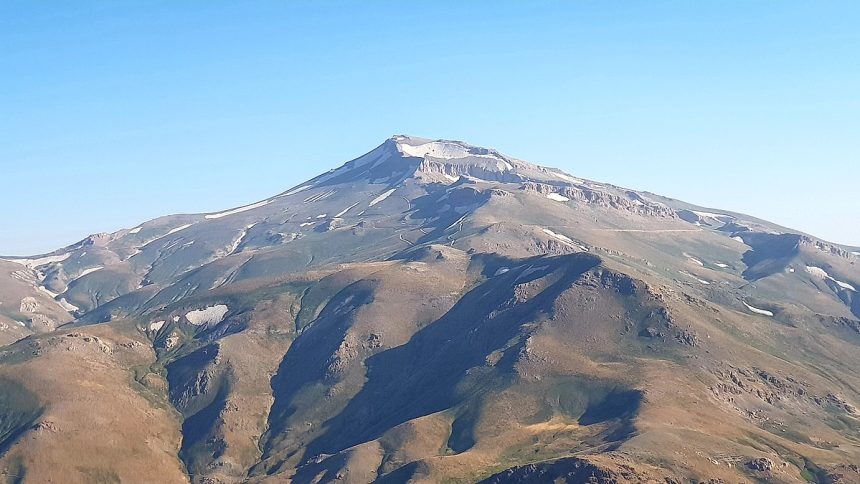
442 149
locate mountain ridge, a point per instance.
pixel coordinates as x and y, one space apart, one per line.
433 310
396 142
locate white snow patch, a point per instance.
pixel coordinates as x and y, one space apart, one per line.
567 178
501 271
238 210
175 319
693 276
763 312
693 259
558 236
382 197
845 285
177 229
856 253
739 239
557 197
40 261
47 291
135 230
347 209
207 316
305 224
437 149
156 325
822 274
452 178
712 215
322 215
90 271
319 196
296 190
565 239
721 265
817 272
238 241
68 306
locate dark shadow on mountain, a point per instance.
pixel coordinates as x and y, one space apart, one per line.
19 412
432 372
770 253
306 361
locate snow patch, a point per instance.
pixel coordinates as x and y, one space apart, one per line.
501 271
347 209
319 196
238 241
693 259
68 306
438 149
90 271
721 265
238 210
565 239
207 316
557 197
177 229
567 178
305 224
156 325
382 197
47 291
845 285
693 276
452 178
40 261
763 312
296 190
558 236
322 215
739 239
711 215
135 230
822 274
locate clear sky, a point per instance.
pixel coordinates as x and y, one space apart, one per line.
115 112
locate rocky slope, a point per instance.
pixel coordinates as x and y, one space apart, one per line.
436 311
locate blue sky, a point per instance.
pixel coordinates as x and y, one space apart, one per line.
115 112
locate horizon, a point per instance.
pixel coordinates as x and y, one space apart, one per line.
743 106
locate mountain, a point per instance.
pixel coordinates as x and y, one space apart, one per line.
435 311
